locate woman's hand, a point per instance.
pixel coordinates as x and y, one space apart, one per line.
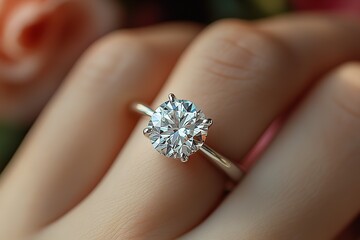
86 171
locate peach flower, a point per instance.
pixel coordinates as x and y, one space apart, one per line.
39 42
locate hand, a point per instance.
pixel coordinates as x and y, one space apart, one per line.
87 172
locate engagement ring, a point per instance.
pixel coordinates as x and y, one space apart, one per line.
178 129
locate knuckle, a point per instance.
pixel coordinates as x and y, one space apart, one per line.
131 228
121 42
115 54
347 89
228 25
233 49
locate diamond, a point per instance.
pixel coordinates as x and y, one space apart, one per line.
177 128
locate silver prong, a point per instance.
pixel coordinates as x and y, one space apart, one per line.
146 132
185 159
171 97
208 122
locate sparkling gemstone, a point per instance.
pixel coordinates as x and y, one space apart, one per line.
177 128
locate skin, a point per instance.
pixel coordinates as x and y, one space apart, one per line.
85 171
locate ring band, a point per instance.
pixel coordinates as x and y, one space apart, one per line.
177 129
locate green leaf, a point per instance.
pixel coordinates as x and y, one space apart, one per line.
271 7
11 136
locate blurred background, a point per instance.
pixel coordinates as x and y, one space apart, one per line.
40 40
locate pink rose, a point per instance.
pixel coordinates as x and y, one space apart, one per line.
350 6
39 42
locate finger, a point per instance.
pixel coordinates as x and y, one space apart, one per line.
307 184
77 137
351 232
230 72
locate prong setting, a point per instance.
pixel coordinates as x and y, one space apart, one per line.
172 97
177 128
185 159
208 122
146 132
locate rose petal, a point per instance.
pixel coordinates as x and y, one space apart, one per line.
20 62
39 42
350 6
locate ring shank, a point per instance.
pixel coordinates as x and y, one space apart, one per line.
231 170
